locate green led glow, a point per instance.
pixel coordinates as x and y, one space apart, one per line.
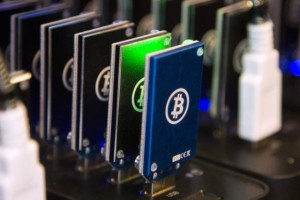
132 70
134 55
131 90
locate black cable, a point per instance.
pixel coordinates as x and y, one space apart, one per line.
260 12
7 90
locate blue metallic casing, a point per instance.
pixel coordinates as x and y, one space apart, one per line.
165 143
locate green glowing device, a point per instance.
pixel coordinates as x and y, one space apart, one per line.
127 95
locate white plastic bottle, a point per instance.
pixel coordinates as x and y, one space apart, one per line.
260 85
21 174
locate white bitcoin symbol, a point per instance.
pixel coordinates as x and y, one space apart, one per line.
239 51
178 106
105 89
180 101
67 76
141 99
36 65
139 103
104 77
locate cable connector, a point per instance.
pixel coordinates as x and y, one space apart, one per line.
22 177
260 85
260 13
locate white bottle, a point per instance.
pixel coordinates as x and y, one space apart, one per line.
21 174
260 86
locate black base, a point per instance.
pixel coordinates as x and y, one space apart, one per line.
198 180
276 161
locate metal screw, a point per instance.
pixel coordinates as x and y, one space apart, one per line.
96 23
120 154
137 162
129 32
87 150
69 136
102 151
197 172
54 131
188 41
85 142
200 51
56 139
155 175
153 167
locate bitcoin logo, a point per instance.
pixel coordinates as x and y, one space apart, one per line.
239 51
177 106
36 64
102 84
137 98
67 76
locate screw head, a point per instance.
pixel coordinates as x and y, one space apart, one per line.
120 154
155 175
200 51
96 23
69 136
56 139
102 151
87 150
153 167
137 162
129 32
85 142
54 131
188 41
